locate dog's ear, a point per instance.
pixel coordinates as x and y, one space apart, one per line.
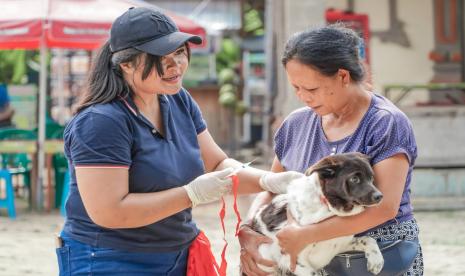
362 156
326 167
327 171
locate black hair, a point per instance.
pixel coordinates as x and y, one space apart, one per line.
327 49
106 81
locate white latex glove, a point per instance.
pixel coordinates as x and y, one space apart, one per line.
277 182
209 187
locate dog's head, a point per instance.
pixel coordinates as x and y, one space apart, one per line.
347 181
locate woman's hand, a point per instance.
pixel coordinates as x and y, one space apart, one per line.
209 187
250 256
277 182
290 239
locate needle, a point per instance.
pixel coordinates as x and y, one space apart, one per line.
243 166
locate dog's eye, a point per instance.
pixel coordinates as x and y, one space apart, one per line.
355 179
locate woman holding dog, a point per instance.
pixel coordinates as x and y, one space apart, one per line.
140 157
324 67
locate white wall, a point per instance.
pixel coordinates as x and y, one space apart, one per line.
392 63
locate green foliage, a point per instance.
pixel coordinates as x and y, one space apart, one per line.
240 108
228 99
228 88
231 49
253 23
227 59
226 75
12 66
17 65
229 54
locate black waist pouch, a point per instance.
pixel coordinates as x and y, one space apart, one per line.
398 258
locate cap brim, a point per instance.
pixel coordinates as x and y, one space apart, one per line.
168 43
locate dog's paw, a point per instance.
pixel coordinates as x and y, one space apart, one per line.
375 262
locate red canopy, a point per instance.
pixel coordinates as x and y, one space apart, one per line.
82 24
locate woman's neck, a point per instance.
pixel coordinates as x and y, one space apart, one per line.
354 108
146 103
149 106
337 126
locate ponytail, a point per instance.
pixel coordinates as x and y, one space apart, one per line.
105 82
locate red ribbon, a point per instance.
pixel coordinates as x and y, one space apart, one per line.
235 180
201 261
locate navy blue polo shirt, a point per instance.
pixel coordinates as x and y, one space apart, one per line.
117 135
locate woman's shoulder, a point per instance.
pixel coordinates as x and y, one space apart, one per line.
297 117
114 110
303 113
383 109
385 119
291 125
182 97
109 115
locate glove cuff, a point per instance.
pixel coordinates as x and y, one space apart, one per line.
262 182
191 195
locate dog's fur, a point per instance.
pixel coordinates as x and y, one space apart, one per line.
339 185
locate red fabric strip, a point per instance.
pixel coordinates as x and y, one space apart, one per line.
201 261
235 180
235 186
224 263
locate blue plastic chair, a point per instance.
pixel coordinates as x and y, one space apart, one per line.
65 192
18 163
9 201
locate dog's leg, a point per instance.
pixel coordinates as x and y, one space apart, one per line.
375 260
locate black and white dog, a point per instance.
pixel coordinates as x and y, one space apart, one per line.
338 185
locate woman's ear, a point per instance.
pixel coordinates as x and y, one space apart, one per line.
344 75
127 67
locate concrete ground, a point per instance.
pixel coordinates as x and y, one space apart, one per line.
27 244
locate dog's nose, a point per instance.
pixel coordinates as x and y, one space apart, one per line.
377 197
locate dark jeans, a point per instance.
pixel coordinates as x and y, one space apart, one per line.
76 258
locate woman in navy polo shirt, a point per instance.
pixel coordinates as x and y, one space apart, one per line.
138 149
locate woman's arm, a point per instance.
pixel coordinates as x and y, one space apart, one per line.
215 159
112 206
390 177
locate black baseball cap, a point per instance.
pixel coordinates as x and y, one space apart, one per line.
148 30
